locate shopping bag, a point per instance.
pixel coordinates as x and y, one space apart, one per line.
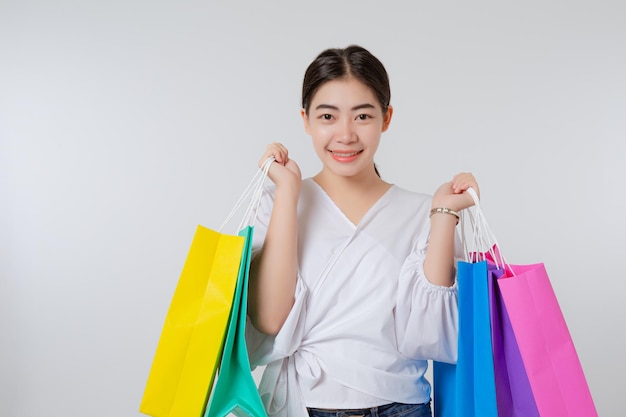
209 290
444 389
191 340
467 389
235 390
552 364
550 360
513 393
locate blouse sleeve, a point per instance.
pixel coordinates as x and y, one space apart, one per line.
262 348
426 314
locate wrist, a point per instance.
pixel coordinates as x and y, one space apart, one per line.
453 214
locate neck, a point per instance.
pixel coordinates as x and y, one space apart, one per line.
354 196
365 182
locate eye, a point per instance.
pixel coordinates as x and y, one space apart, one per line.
363 116
326 116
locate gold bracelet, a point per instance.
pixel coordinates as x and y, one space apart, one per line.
445 210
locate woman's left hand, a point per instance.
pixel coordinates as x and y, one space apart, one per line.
452 194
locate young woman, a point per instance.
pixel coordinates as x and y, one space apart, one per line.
352 287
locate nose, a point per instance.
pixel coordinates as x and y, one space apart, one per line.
346 132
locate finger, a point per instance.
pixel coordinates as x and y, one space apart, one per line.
277 151
461 182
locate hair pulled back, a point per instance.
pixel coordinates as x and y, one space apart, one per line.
344 63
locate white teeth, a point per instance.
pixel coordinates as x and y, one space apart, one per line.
345 155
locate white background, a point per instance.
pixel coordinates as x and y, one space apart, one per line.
123 125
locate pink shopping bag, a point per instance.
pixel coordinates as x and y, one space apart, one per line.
554 371
513 392
550 361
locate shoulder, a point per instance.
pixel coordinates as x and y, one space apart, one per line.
407 197
310 191
407 207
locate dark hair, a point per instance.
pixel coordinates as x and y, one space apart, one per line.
353 61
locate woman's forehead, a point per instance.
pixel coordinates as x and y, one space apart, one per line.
344 94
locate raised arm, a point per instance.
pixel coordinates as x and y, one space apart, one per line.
439 262
273 272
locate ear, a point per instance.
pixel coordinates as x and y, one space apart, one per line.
387 118
305 119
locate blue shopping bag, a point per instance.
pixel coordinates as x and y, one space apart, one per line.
468 388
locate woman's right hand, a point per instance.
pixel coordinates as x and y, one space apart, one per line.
284 172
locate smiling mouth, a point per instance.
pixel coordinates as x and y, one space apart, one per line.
345 154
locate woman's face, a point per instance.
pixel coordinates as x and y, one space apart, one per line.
346 121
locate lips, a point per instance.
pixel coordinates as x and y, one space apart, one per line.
344 154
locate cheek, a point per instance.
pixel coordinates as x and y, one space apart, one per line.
321 132
319 143
372 135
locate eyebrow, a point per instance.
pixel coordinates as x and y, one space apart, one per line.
359 107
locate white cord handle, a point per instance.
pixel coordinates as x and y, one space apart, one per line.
254 191
482 235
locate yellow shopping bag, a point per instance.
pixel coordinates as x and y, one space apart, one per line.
191 341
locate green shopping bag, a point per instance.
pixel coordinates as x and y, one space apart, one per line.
235 390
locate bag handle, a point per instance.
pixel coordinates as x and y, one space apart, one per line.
482 235
253 192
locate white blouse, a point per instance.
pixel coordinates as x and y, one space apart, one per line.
365 318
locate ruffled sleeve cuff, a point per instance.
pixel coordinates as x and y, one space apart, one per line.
426 314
